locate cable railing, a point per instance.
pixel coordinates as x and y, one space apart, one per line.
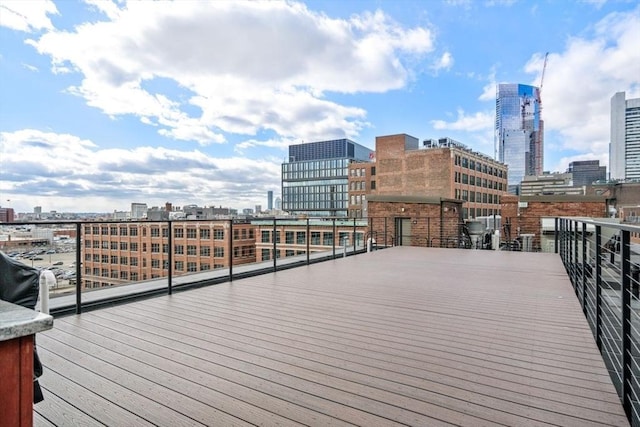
602 259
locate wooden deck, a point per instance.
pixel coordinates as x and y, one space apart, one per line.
402 336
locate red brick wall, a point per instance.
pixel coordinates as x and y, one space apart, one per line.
429 226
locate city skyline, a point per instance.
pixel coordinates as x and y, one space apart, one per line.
104 103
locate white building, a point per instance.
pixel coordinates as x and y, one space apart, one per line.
624 148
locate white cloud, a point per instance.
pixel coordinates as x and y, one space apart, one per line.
63 171
27 16
247 66
478 121
445 62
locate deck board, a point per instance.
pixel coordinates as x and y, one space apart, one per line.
403 336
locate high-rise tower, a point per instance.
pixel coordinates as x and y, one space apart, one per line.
624 148
519 132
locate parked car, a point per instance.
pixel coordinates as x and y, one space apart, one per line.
58 263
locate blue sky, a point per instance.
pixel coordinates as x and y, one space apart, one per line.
107 103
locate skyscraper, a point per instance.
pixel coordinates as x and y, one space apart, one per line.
270 200
519 132
624 148
315 180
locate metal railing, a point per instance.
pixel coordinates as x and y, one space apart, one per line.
168 258
603 264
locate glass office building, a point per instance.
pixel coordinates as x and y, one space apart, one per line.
519 132
315 180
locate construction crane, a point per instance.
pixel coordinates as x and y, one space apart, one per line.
544 68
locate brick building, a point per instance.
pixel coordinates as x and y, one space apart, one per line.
291 236
535 214
414 220
119 253
7 214
362 181
442 168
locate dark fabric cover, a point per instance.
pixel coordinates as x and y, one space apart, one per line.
20 285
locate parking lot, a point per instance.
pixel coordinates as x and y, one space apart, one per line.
63 264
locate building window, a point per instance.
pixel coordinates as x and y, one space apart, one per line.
218 234
236 234
114 246
205 251
123 231
124 260
315 237
205 266
218 252
124 246
288 237
205 234
155 263
191 233
301 237
178 249
155 247
179 266
192 250
155 232
373 171
192 266
266 236
133 247
289 253
133 231
165 232
373 185
178 232
134 261
327 238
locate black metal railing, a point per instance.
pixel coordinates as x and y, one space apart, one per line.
122 260
602 260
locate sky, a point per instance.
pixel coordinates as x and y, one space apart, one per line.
105 103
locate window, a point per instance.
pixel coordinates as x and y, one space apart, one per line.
165 248
104 259
114 246
251 233
192 266
289 253
465 178
315 237
105 244
373 185
218 252
301 237
205 266
205 251
178 265
205 234
266 254
165 232
178 249
124 246
192 250
373 170
134 276
155 247
133 261
236 234
327 238
124 260
114 259
218 234
123 231
133 247
155 232
191 233
124 275
178 233
133 231
266 236
288 237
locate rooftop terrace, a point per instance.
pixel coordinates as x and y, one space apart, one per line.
402 336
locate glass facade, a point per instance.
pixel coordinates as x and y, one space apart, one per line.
315 179
519 131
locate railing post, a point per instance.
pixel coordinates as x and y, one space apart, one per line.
78 268
170 256
626 321
334 238
275 246
308 240
354 235
555 234
584 269
598 290
428 232
385 232
574 264
230 249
